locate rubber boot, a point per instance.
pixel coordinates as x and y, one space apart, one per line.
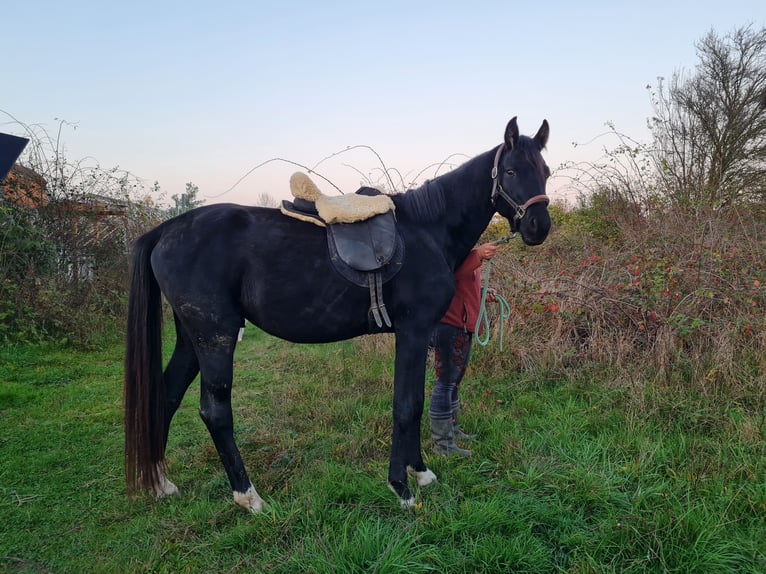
443 438
456 431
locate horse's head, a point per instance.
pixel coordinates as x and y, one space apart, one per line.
518 183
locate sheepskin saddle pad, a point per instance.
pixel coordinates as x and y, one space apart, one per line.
328 210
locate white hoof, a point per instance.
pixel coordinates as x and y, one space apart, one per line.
249 500
405 503
424 478
164 488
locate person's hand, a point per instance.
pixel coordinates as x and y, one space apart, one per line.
486 251
491 295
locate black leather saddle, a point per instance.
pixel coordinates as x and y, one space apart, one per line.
367 253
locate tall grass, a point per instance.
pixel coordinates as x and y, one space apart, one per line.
672 301
567 477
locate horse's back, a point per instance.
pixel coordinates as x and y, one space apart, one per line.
205 246
230 262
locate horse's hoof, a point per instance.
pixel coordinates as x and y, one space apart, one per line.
402 492
424 477
249 500
165 488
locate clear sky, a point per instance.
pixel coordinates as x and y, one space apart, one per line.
202 92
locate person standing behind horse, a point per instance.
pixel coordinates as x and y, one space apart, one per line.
452 340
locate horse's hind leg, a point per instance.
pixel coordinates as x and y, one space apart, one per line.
179 374
216 363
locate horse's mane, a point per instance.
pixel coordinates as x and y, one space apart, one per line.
425 204
428 203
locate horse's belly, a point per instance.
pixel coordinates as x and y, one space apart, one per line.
320 311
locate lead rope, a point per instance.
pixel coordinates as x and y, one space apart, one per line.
504 309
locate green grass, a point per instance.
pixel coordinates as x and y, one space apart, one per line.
567 477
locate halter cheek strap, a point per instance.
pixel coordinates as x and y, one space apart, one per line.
497 190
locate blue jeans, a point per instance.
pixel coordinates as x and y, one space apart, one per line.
452 350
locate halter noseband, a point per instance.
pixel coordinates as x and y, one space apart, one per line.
497 189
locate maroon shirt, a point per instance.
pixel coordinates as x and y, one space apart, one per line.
464 309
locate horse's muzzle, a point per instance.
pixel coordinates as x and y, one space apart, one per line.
535 225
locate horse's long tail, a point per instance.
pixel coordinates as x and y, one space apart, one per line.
143 391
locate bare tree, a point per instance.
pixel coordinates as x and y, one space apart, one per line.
709 127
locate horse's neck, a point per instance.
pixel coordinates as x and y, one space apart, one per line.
467 193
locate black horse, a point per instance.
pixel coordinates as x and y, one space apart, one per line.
220 264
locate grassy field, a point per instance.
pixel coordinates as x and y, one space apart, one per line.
568 477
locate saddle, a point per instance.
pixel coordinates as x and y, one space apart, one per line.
362 240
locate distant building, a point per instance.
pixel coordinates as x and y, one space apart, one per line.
83 222
24 188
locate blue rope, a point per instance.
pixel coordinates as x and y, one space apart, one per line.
482 322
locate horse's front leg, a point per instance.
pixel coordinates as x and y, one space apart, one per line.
409 394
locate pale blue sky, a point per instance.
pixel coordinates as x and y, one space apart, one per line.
204 91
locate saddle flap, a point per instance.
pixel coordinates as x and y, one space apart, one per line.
365 245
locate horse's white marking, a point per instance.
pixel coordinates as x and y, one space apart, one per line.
424 477
164 487
249 500
405 503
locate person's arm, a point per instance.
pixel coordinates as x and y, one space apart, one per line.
475 258
471 263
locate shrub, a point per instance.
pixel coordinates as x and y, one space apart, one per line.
675 299
25 256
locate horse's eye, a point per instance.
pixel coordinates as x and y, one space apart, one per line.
510 172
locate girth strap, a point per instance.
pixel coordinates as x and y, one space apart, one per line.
377 306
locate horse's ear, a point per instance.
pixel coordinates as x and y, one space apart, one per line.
541 137
511 133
